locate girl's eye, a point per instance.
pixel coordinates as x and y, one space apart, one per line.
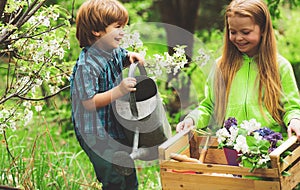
246 33
232 32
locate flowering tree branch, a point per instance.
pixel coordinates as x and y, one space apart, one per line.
2 5
33 40
16 95
20 19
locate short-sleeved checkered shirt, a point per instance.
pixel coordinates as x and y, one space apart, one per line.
96 71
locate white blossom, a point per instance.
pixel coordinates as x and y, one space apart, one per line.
4 113
38 108
257 136
241 144
13 125
264 159
38 82
250 125
27 104
222 134
28 116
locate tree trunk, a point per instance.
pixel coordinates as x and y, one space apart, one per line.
183 15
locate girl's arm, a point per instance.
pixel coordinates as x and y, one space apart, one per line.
290 98
199 117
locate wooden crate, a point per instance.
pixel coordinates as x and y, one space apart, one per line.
215 174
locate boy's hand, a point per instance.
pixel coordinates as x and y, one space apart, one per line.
127 85
133 57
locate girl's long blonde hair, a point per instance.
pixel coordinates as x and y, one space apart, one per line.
266 59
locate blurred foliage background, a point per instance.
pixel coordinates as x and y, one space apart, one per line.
45 154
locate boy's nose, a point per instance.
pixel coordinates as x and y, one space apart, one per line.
121 33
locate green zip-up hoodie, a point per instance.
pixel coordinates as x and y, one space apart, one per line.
243 98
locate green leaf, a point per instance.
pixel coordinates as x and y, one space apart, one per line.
251 141
285 174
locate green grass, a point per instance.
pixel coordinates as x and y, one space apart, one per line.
44 156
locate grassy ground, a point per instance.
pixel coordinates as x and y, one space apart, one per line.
45 157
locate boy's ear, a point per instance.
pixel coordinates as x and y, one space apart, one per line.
97 34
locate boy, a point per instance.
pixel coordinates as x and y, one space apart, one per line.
96 82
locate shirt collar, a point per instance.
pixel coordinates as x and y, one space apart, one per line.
97 51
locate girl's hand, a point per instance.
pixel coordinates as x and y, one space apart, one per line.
133 57
127 85
294 126
185 124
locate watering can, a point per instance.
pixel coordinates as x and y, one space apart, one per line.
143 118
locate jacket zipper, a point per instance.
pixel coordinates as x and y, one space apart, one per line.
247 83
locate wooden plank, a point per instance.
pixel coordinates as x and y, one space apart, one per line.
275 154
289 182
177 181
182 175
213 141
174 139
173 145
215 156
218 168
290 159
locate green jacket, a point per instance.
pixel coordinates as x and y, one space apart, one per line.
243 98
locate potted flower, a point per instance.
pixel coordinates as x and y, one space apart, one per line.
250 142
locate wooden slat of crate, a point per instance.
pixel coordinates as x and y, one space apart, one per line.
213 141
177 144
290 159
288 182
213 155
218 168
179 181
275 155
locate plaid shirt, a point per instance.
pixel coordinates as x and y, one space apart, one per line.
95 72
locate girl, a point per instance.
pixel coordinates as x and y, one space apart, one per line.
251 80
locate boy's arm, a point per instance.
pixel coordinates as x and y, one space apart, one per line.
103 99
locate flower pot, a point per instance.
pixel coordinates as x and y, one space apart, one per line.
231 156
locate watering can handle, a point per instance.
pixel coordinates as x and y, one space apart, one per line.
132 100
133 67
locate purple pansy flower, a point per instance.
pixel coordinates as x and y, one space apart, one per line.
230 122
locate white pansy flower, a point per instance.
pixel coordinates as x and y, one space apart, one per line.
263 160
241 144
257 136
233 132
222 135
250 125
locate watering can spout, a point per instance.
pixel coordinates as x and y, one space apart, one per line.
140 153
